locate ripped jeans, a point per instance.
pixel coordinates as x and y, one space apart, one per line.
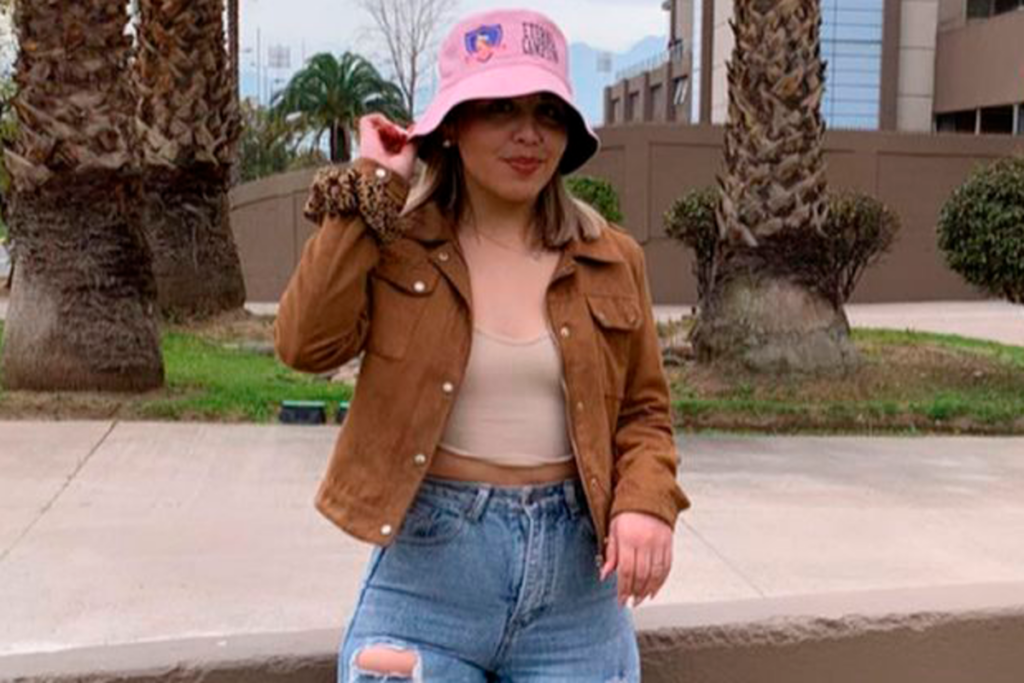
492 583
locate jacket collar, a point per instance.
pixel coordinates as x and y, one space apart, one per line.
430 226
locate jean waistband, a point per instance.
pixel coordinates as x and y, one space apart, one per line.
473 496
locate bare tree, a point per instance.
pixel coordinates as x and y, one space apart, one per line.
409 31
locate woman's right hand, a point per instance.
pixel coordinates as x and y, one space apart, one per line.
387 143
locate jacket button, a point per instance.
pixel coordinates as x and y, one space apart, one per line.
419 459
381 173
593 481
447 387
579 405
419 286
564 331
386 529
442 256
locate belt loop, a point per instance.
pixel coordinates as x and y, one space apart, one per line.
569 487
476 508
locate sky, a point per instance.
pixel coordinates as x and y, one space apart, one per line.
331 24
311 26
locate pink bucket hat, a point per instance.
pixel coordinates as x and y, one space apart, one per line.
508 53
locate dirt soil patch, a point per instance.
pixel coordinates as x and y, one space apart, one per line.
236 327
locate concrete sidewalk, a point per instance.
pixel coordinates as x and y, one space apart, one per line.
120 533
997 321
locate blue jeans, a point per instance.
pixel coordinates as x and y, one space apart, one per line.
493 583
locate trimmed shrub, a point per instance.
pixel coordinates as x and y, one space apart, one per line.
859 231
981 229
597 192
691 220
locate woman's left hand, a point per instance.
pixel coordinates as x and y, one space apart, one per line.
640 545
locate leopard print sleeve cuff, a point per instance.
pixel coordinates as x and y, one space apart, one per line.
364 187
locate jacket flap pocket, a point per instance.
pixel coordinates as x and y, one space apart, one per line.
615 312
411 278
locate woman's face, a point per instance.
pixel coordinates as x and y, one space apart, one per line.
511 147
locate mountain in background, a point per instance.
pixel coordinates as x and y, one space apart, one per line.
588 84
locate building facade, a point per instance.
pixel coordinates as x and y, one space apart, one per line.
898 65
658 89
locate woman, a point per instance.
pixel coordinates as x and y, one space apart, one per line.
511 417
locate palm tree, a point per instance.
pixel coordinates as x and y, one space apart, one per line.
81 313
769 306
270 145
233 42
189 125
330 95
234 48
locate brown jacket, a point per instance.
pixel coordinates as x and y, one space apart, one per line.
406 302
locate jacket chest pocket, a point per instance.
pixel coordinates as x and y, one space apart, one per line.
615 320
399 294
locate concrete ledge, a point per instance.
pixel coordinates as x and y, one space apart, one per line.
950 634
297 657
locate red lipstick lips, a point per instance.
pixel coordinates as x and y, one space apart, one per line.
524 165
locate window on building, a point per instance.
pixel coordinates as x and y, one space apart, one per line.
1001 6
632 104
979 8
613 105
956 122
1020 119
680 87
997 120
851 45
658 102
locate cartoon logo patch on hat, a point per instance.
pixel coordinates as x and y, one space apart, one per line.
483 42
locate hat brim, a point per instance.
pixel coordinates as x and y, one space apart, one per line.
514 81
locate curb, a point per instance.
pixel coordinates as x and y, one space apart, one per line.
950 634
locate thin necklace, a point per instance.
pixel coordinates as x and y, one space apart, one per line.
533 254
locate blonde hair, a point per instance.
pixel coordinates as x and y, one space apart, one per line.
559 217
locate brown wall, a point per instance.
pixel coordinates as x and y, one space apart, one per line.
651 165
980 64
269 229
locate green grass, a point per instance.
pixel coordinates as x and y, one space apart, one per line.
208 380
205 381
955 384
1013 355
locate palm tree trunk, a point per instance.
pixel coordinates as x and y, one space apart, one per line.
81 314
234 46
767 306
234 43
346 144
195 262
189 132
772 318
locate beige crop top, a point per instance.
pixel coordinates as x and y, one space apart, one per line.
510 409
